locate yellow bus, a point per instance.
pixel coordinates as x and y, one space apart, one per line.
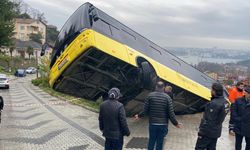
95 52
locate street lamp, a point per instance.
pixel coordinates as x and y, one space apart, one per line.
37 64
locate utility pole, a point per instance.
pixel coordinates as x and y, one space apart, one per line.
36 65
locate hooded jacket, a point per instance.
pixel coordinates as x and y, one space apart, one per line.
112 119
213 117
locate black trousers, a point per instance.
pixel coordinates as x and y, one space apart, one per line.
238 142
205 143
114 144
231 123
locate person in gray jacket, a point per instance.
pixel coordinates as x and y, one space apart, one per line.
112 121
158 106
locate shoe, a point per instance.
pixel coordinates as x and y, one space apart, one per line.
231 132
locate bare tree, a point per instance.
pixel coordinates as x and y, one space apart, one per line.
11 49
30 51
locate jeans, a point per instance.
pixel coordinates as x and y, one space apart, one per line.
114 144
238 142
205 143
156 136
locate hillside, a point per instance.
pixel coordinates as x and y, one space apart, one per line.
245 63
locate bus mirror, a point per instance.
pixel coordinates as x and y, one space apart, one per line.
95 15
44 47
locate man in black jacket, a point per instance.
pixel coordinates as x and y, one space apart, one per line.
158 106
1 106
213 117
112 121
241 119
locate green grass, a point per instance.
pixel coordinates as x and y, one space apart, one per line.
7 73
90 105
2 70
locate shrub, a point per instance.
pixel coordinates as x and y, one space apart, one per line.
42 81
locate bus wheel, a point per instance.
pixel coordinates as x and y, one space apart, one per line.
148 76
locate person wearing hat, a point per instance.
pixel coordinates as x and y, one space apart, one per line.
1 106
213 117
241 119
112 120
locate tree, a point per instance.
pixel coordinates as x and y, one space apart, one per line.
41 17
44 66
6 59
8 13
30 51
11 49
36 37
52 34
24 16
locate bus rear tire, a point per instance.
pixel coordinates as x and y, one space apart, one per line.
148 76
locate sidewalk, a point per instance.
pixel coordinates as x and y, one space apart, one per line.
32 119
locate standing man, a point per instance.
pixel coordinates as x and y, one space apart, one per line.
241 118
235 93
158 106
1 106
213 117
112 121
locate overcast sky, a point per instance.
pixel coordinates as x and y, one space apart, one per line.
169 23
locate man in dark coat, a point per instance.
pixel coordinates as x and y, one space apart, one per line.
241 119
112 121
213 117
235 93
1 106
158 106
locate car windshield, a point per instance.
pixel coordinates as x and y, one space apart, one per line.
2 76
20 70
2 79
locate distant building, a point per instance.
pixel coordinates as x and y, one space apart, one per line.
212 75
20 49
242 78
24 27
221 78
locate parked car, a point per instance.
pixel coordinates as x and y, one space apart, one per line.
31 70
4 81
20 73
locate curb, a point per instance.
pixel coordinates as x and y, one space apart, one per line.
68 101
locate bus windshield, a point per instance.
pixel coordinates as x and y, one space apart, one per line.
70 30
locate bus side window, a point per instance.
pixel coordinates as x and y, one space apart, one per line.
102 27
128 34
155 49
114 31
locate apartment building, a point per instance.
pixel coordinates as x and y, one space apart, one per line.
24 27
